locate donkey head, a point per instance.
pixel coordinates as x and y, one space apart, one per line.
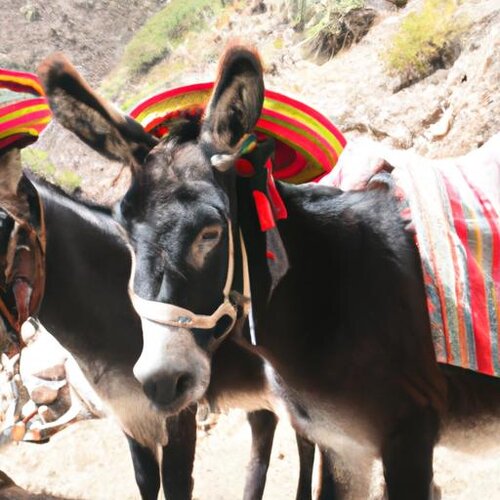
177 216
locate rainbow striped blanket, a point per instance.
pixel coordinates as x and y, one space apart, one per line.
455 209
454 206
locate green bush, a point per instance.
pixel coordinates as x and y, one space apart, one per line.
425 39
166 29
38 160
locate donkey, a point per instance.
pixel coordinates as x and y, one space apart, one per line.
87 308
338 302
100 328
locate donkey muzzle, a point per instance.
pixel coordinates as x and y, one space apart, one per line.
173 370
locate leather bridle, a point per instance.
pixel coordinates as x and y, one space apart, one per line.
23 267
179 317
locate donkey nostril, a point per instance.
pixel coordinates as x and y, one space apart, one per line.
149 389
168 389
184 382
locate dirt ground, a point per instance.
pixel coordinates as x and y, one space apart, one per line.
90 461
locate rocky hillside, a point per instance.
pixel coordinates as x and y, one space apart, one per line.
92 32
452 110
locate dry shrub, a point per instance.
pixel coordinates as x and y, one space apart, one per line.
164 30
427 40
345 22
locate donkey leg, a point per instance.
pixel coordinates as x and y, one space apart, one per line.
306 465
146 469
328 487
178 455
407 456
263 424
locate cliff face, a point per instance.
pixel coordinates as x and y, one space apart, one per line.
450 112
92 32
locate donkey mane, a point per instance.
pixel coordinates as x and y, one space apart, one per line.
185 130
97 215
55 189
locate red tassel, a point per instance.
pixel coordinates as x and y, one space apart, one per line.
264 211
277 203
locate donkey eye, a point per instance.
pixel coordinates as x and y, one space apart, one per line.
210 234
206 240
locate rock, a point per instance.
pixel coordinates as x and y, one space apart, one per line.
18 431
28 330
439 129
30 12
47 414
28 409
44 357
9 364
381 5
85 4
399 3
258 7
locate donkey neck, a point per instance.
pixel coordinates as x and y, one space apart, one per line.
341 248
86 306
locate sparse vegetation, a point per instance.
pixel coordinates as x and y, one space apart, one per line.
298 11
427 40
68 179
149 48
344 22
165 30
38 160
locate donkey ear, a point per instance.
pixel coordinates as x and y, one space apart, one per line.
237 99
82 111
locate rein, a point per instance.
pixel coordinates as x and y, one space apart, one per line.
179 317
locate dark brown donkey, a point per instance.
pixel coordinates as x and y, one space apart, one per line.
339 311
87 308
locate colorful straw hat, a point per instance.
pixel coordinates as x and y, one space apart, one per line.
24 110
307 143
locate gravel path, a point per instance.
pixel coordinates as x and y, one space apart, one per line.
90 461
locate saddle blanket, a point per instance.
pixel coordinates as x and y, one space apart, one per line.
454 206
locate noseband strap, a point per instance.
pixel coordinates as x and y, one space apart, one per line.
172 315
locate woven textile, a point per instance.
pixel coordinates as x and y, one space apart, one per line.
457 225
454 206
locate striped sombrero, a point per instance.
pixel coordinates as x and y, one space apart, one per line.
24 110
307 143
